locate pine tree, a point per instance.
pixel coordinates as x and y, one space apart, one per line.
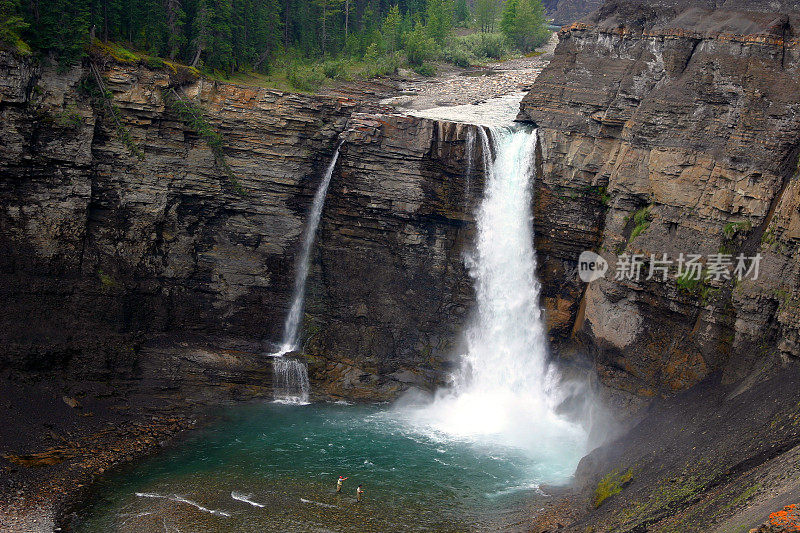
151 22
439 15
328 9
462 15
176 20
486 14
220 51
390 29
524 23
201 29
11 22
61 26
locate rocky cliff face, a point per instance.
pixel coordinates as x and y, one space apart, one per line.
672 127
106 255
568 11
392 290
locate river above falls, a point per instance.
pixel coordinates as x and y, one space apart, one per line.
271 467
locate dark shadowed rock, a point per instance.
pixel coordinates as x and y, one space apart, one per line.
103 252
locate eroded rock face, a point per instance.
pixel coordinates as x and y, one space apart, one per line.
568 11
392 289
98 243
103 252
689 116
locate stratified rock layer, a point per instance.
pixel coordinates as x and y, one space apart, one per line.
393 291
689 117
102 252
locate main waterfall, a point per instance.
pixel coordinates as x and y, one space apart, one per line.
505 392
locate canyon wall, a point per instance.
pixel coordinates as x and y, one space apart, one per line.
665 128
392 291
567 11
671 127
123 237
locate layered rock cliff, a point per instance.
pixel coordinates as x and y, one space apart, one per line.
392 291
671 127
123 238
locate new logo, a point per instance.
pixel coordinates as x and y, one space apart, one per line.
591 266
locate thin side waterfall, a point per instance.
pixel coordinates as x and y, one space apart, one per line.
469 149
290 374
506 391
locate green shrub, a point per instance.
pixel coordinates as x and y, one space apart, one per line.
610 485
486 45
602 194
373 52
457 56
106 281
732 228
155 63
12 26
641 221
689 284
699 287
381 66
425 69
335 69
418 46
303 78
68 119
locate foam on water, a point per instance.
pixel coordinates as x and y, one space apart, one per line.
181 499
246 498
317 503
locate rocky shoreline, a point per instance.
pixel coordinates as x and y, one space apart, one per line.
58 451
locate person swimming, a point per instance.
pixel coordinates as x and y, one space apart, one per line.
359 493
339 483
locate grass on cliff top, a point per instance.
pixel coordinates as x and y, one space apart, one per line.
18 46
123 54
274 80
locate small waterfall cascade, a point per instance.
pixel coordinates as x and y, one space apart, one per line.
290 380
291 383
506 391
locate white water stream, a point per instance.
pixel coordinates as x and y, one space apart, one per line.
290 375
506 392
